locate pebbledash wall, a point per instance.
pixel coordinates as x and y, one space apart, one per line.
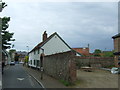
95 61
61 66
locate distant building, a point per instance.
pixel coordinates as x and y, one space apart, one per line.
116 39
84 51
21 55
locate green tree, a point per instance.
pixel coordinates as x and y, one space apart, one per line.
26 59
6 35
97 52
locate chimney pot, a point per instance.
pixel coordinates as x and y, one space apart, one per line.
44 36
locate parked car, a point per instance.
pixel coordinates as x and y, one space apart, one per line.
21 62
12 63
114 70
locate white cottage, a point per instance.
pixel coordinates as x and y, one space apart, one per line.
50 45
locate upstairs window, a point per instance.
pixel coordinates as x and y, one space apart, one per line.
38 51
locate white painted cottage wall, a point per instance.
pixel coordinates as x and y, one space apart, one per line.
54 45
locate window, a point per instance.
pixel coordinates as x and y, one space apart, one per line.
38 51
38 63
31 62
34 62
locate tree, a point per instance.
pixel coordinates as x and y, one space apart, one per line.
6 35
97 52
26 59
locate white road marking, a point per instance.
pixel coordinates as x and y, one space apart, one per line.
0 83
20 79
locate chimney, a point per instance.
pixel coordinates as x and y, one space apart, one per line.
44 36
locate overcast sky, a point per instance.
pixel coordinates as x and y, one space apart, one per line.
78 23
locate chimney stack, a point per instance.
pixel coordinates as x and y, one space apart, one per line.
44 36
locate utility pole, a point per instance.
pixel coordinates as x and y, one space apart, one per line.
41 62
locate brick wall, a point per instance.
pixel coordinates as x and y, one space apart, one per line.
61 66
117 49
95 61
117 44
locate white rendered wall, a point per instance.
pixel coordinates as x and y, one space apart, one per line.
54 45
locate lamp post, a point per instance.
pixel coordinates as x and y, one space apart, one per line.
41 62
27 55
27 48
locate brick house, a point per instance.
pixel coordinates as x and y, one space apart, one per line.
84 51
116 39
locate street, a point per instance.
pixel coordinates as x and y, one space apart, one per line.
16 77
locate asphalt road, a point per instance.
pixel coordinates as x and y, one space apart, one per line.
17 77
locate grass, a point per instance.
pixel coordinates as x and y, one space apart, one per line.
66 83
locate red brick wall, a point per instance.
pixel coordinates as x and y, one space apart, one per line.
117 44
117 49
102 61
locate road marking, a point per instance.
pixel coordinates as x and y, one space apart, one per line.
20 79
0 83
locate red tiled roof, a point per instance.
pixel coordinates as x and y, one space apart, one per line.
83 51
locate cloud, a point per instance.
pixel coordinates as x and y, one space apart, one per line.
78 23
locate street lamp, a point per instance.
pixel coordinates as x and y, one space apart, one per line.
27 48
41 62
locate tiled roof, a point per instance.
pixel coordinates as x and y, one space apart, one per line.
83 51
116 36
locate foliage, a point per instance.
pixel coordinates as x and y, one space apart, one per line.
26 59
97 52
11 51
6 35
66 83
108 54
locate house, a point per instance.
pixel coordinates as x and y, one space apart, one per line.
116 39
21 55
84 51
49 45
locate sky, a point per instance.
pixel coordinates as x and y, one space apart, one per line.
78 23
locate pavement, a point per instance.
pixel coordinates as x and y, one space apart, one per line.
16 77
47 81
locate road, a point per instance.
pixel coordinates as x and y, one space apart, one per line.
16 77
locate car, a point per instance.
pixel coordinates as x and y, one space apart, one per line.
12 63
21 62
114 70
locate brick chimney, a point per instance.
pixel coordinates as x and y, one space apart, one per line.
44 36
